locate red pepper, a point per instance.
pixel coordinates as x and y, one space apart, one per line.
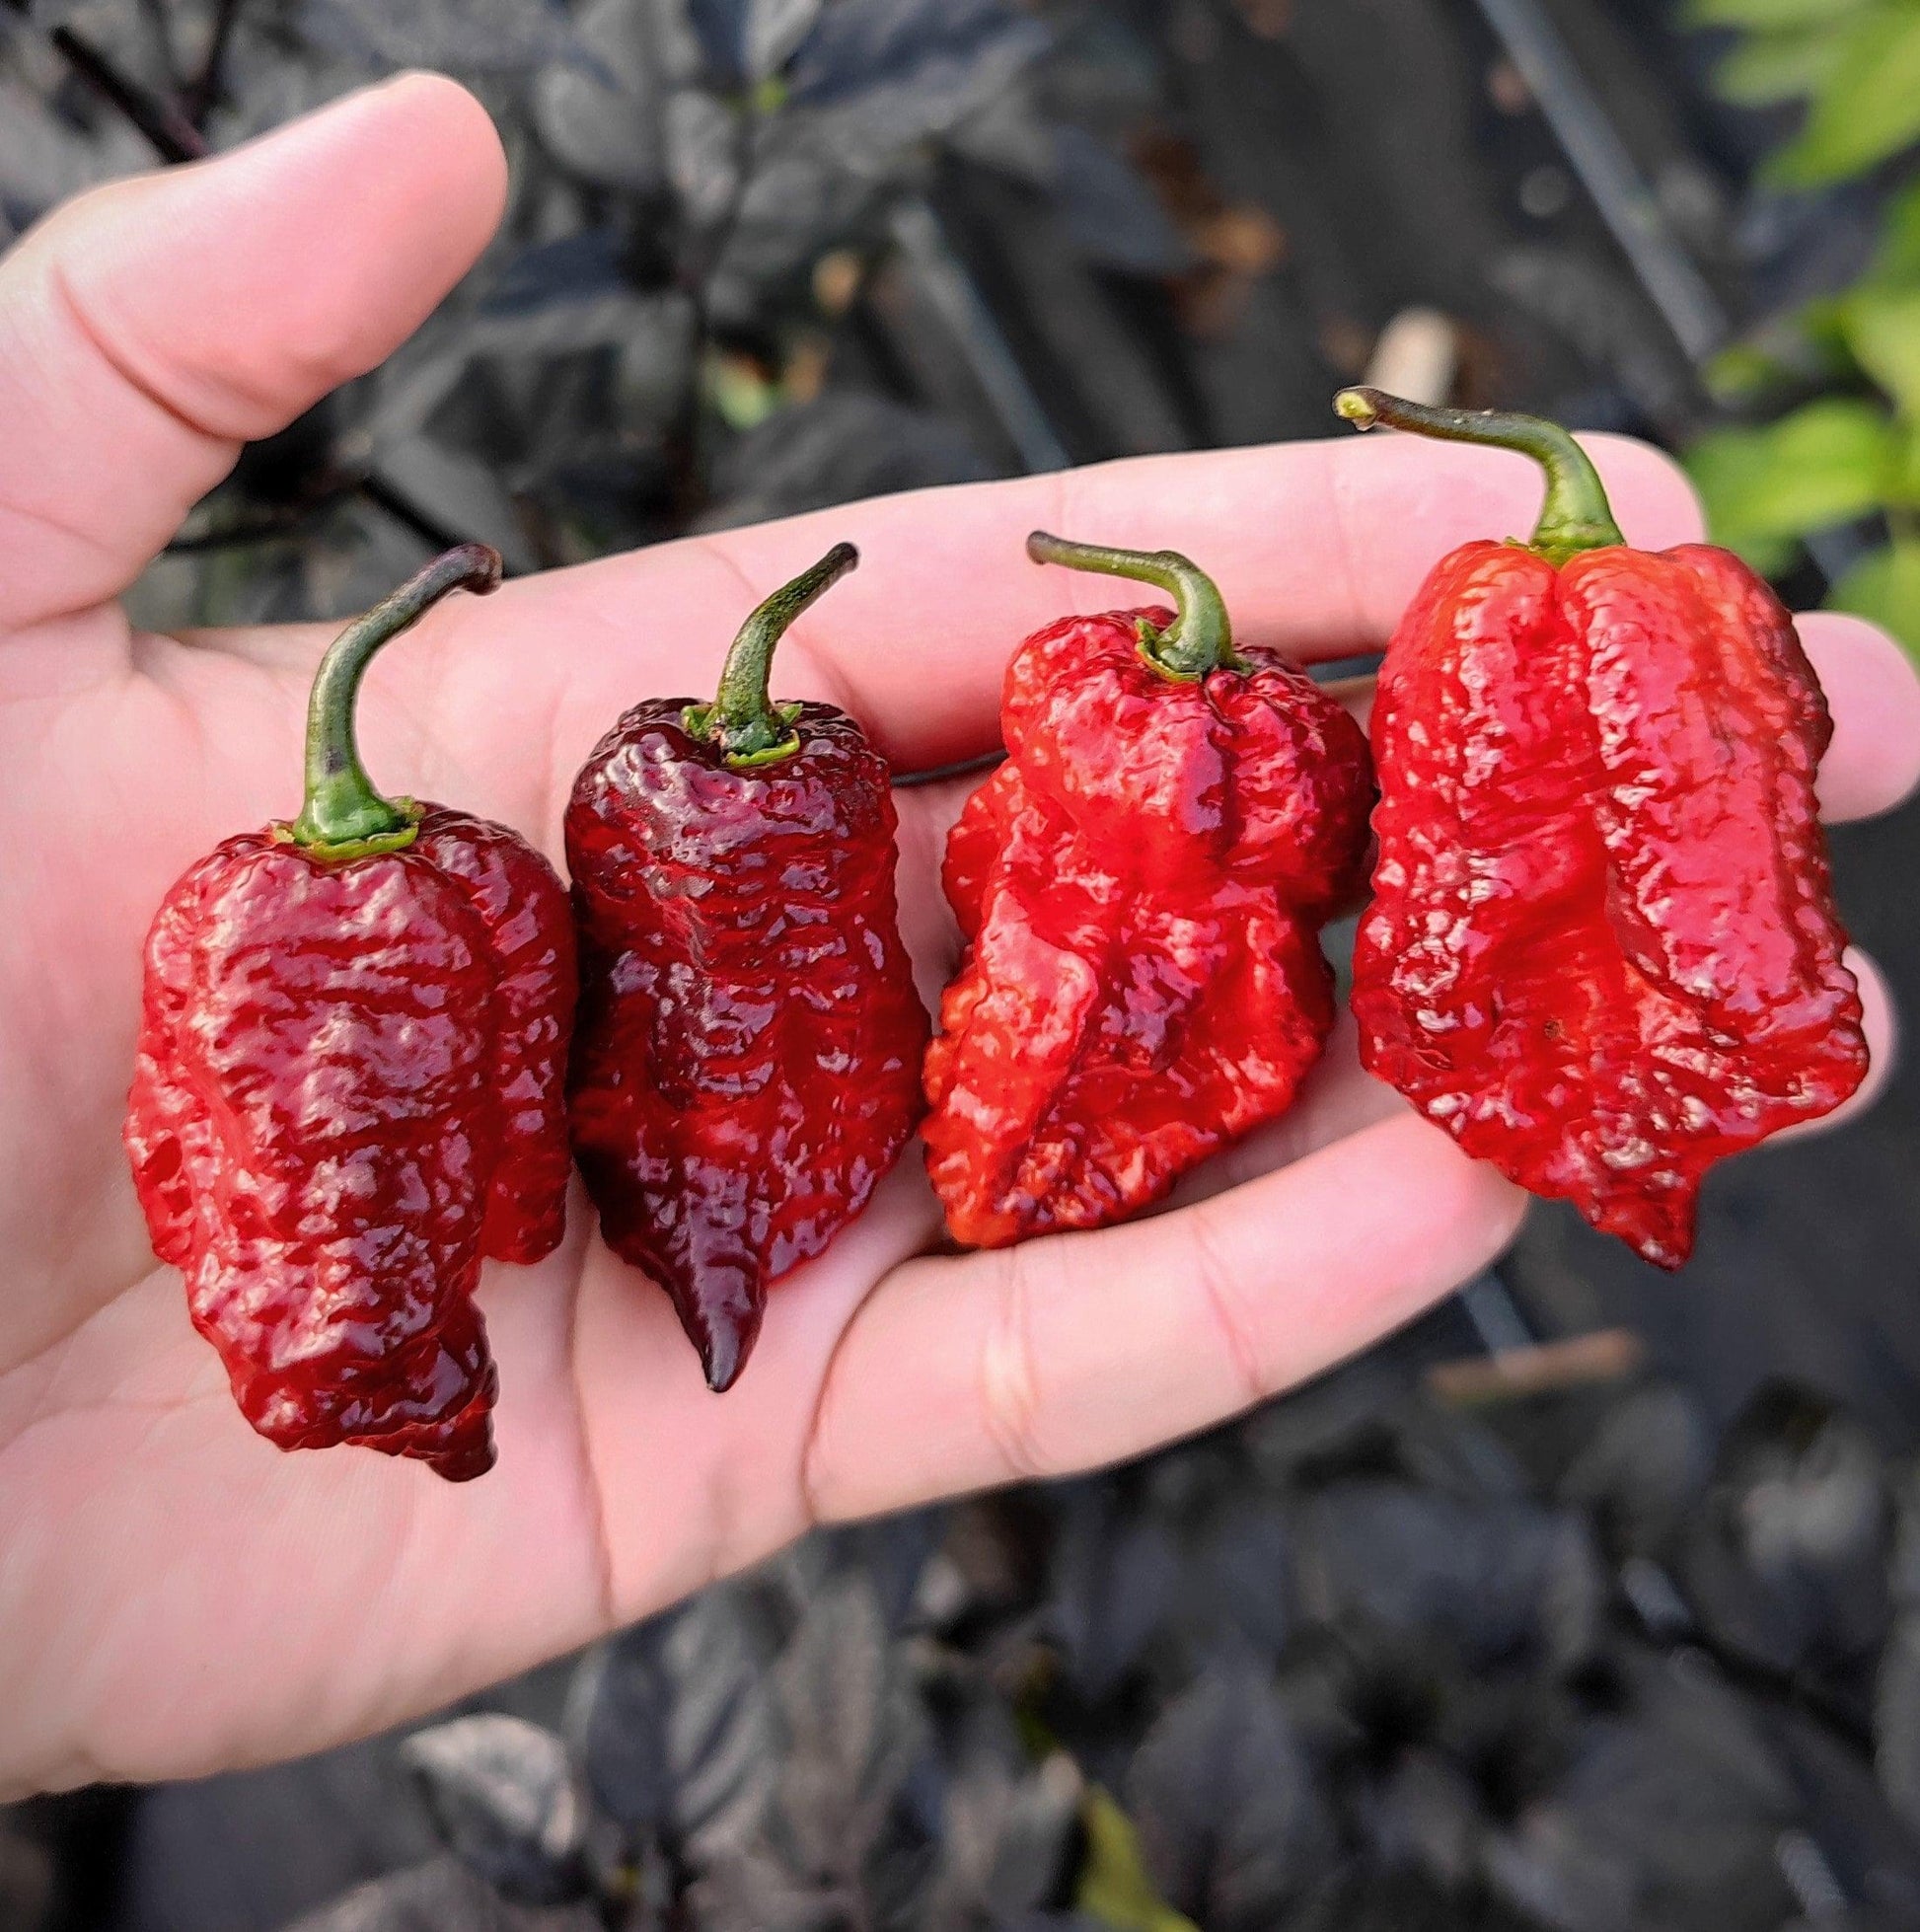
349 1088
1141 886
1603 951
748 1060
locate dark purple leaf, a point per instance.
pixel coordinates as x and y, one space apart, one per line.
852 1734
1116 1581
840 447
1110 214
1232 1824
672 1723
503 1796
745 42
1497 1580
464 37
942 56
1786 1558
444 1896
1643 1468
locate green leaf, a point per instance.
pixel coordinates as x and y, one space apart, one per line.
1770 16
1114 1887
1885 588
1903 490
1767 68
1896 262
1867 107
1882 331
1765 489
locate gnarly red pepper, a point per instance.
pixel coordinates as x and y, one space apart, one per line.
748 1058
1603 951
351 1088
1141 886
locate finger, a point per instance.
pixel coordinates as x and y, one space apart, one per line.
1880 1017
1874 694
1317 547
147 330
1078 1350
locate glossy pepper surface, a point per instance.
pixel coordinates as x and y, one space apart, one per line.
350 1086
748 1058
1141 887
1603 950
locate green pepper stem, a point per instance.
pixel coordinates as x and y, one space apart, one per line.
742 720
1575 515
1200 638
343 816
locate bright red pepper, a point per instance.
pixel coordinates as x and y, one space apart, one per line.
351 1088
1603 951
1141 886
748 1060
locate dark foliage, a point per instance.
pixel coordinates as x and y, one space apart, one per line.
1582 1663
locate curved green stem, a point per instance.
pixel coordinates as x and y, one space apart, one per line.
1575 515
742 720
1198 640
343 816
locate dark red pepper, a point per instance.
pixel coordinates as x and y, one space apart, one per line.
1603 951
351 1088
1141 887
747 1065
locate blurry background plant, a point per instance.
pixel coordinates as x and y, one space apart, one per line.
1555 1615
1834 472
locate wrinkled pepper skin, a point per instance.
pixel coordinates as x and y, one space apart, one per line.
1140 888
1603 950
349 1088
747 1063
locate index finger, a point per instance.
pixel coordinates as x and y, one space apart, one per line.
1317 547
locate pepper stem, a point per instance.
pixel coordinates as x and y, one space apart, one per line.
742 720
343 816
1575 515
1200 638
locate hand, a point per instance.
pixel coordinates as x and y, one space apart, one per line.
176 1594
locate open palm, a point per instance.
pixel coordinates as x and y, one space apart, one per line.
175 1593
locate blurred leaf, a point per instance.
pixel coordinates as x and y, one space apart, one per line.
1764 16
1885 588
1114 1887
1244 1577
1109 212
1896 1719
440 1897
751 41
599 111
1229 1822
674 1725
840 446
1674 1799
502 1795
1008 1830
459 491
1866 107
1116 1580
853 1735
704 147
1785 1562
934 57
1896 263
463 37
1882 331
1643 1468
1765 488
1770 67
1494 1580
